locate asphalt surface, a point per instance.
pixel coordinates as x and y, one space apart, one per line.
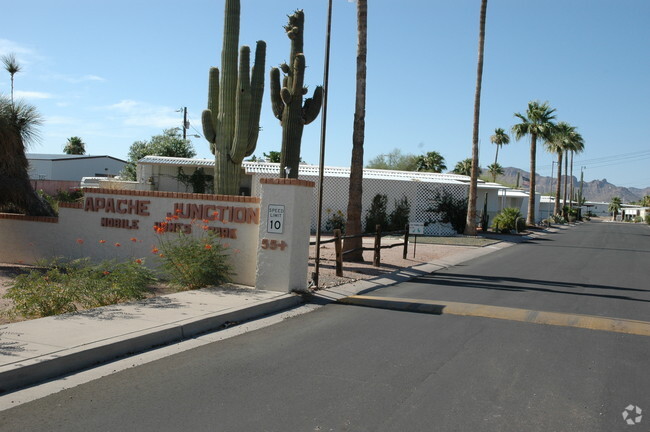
357 368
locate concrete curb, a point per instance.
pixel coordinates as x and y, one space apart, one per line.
57 364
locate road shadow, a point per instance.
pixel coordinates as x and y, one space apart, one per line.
513 284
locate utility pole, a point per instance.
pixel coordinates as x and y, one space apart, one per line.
582 178
185 125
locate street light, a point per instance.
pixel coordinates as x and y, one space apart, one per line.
321 162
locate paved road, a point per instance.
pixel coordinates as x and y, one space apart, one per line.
366 369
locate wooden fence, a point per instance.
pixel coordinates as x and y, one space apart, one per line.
376 260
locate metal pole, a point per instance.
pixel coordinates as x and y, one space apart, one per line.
549 207
184 123
323 129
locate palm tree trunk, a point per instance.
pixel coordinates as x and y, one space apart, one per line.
571 186
353 223
470 227
558 187
530 217
566 162
496 157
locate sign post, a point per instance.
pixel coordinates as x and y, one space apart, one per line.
415 229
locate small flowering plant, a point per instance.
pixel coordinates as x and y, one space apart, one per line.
192 261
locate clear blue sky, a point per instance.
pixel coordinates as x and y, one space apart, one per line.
114 72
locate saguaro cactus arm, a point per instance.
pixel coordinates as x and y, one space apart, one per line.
276 99
312 105
257 94
242 107
209 116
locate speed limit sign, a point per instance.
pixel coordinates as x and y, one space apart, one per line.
275 220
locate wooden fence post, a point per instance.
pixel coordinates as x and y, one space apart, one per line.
338 254
406 241
377 257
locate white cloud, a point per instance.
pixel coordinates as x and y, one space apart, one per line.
134 113
79 79
8 47
32 95
60 120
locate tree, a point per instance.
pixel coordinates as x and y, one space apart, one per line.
470 226
537 123
394 160
558 144
496 170
75 146
12 66
431 162
614 207
170 143
500 138
463 167
272 156
18 123
355 191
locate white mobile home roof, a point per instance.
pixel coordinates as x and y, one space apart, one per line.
313 170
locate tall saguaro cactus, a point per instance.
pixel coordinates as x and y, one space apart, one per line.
287 100
231 122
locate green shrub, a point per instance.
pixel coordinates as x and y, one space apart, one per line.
193 262
647 219
509 219
61 287
377 214
111 282
450 209
638 219
42 293
335 220
69 196
399 217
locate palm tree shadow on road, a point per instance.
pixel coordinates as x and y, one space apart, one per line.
500 283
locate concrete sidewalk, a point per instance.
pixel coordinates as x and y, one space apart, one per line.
41 349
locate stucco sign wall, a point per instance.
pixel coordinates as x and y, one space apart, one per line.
121 224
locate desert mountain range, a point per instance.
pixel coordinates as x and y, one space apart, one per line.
595 190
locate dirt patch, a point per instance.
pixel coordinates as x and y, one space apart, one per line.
391 260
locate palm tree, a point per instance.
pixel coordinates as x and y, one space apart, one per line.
463 167
18 124
496 170
353 223
470 226
537 123
75 146
12 66
499 138
557 144
431 162
614 207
